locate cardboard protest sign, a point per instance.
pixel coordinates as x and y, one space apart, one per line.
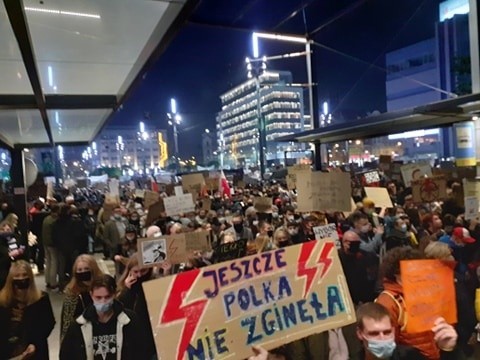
262 204
266 299
114 187
370 178
139 193
178 190
207 204
154 212
198 241
193 184
150 198
328 231
323 191
415 172
231 250
471 188
380 196
179 204
429 189
292 174
471 207
429 293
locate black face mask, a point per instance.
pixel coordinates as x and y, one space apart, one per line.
283 244
270 233
238 227
21 284
354 247
83 276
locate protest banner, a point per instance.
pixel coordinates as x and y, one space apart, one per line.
471 207
379 196
263 204
429 189
267 299
193 184
328 231
175 205
415 172
173 248
292 174
231 251
323 191
154 212
150 198
429 293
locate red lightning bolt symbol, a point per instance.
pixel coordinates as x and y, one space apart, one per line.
191 313
310 272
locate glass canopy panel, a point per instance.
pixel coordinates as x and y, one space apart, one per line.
13 76
22 127
76 125
91 46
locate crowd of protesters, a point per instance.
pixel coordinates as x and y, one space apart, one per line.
104 315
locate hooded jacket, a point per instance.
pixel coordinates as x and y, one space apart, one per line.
392 299
78 341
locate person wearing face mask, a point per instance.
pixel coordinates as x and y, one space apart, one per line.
77 296
114 230
281 238
135 221
430 345
370 242
293 230
105 330
397 235
359 267
239 229
125 250
377 334
26 316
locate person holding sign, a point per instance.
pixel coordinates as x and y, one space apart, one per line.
377 334
392 298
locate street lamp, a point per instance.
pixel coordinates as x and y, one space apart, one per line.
174 120
256 68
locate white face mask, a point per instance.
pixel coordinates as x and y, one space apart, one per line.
365 228
382 349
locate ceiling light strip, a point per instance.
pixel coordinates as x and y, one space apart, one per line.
61 12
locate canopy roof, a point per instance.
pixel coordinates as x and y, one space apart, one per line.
434 115
67 65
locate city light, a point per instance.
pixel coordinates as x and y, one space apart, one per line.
173 106
325 108
280 37
255 45
142 127
207 131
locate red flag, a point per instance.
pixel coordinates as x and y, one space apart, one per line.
223 186
154 184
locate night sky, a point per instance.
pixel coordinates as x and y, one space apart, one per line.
203 62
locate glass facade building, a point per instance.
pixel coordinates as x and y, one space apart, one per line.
281 108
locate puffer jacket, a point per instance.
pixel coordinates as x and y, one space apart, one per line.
392 299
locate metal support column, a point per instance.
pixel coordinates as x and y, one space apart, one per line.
473 17
17 174
262 143
313 99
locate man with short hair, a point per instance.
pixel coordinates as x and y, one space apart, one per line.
362 226
377 334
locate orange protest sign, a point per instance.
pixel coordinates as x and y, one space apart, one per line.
429 293
267 299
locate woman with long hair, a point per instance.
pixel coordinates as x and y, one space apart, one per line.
77 296
26 316
131 295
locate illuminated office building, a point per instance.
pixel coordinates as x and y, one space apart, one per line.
281 106
123 146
